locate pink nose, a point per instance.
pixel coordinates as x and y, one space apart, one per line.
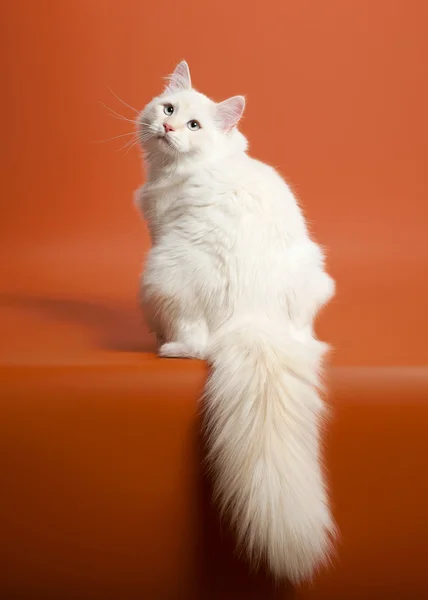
167 127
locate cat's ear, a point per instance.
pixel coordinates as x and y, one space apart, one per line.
230 111
180 79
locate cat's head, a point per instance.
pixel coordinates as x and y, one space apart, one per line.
183 122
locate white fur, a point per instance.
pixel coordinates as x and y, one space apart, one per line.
233 277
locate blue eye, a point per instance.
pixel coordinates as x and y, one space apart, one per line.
168 109
193 125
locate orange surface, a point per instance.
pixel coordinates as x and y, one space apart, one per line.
103 497
100 486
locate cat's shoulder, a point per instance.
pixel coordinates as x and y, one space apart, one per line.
264 172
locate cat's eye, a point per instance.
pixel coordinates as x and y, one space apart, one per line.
168 109
193 125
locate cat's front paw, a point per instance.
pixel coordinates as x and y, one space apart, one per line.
179 350
174 350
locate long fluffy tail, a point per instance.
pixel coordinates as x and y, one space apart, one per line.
263 415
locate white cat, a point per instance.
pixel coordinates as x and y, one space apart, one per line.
234 278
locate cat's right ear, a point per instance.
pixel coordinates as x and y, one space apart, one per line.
180 79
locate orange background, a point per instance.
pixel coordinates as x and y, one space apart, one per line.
100 475
337 95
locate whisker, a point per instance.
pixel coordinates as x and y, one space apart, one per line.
123 101
146 136
131 146
116 114
131 142
114 137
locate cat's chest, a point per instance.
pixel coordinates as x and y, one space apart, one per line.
181 206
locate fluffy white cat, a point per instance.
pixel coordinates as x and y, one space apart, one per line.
233 277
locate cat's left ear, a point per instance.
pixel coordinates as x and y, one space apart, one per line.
180 79
230 111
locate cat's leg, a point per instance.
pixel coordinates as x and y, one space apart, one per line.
152 320
160 340
189 340
180 330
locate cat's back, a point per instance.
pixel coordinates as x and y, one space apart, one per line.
218 195
260 190
244 170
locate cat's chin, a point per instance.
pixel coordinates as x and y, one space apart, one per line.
164 144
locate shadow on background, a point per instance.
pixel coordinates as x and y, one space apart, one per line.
115 328
222 574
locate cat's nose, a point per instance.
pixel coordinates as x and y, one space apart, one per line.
167 127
